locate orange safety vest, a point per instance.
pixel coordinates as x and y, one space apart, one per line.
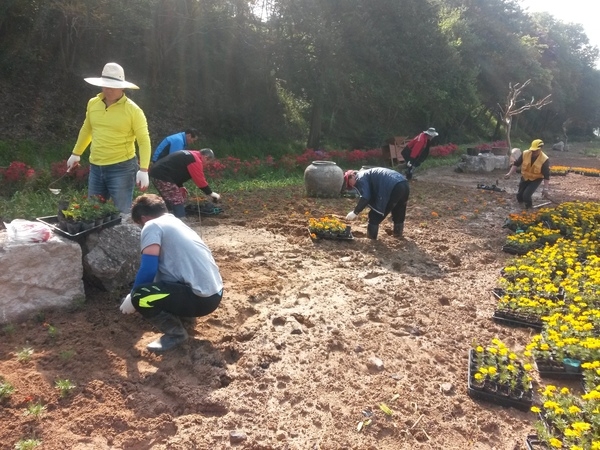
533 171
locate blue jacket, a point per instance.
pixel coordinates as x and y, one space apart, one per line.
375 185
170 144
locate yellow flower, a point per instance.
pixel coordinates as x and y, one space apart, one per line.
550 404
580 426
535 409
556 443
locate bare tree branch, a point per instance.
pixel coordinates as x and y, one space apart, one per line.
511 109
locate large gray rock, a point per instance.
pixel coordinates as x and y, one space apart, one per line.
38 276
483 163
112 257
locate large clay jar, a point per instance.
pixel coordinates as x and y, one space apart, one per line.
323 179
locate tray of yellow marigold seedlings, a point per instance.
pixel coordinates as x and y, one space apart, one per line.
329 228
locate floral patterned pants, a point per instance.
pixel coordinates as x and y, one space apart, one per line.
170 192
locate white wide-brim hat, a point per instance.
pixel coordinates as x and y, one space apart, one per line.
113 76
431 132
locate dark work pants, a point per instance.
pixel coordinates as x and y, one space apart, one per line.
176 298
526 190
396 205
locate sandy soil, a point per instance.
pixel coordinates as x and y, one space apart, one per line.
310 339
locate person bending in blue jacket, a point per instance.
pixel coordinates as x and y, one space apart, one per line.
384 191
174 143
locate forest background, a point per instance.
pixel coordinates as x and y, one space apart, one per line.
286 75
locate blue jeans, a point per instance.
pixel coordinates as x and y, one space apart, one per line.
114 181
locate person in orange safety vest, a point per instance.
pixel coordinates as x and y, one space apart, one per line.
535 168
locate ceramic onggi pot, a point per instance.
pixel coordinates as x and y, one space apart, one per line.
323 179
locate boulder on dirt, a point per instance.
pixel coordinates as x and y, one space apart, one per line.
111 257
38 276
482 164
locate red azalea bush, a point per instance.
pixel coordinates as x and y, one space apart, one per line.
234 167
443 150
229 167
17 171
15 177
77 176
501 144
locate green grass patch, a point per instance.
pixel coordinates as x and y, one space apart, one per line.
248 148
32 153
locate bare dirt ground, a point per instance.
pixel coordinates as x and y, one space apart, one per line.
290 359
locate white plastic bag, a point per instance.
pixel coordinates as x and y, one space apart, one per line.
25 231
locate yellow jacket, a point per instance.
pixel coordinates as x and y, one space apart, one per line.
533 171
113 131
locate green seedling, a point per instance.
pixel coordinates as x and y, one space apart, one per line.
27 444
36 410
6 390
24 354
64 386
66 355
52 331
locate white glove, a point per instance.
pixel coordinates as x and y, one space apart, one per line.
216 196
127 306
142 180
351 216
73 161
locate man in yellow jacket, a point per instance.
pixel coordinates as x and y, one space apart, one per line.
113 123
535 168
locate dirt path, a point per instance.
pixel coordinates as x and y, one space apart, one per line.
311 337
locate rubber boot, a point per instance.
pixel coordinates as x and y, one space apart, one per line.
174 333
398 229
409 171
372 231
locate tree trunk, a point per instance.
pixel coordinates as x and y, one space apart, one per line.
508 129
314 135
